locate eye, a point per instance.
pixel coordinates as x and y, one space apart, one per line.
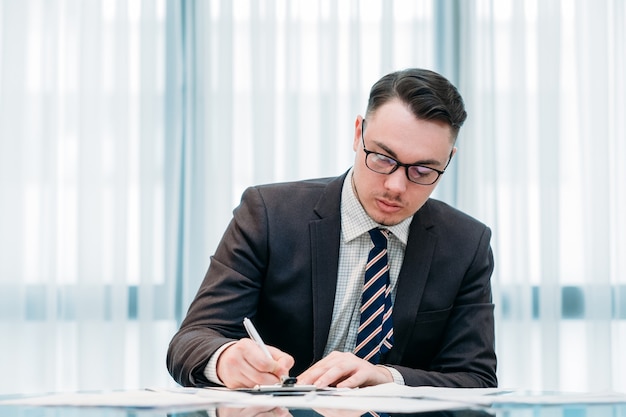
383 161
420 172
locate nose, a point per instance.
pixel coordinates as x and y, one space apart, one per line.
396 181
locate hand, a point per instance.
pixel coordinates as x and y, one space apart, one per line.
333 412
244 365
258 411
344 370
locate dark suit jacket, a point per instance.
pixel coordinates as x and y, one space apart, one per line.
277 264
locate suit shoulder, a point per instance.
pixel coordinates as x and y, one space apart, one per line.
457 231
294 189
295 194
443 213
289 185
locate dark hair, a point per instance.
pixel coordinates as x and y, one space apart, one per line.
429 95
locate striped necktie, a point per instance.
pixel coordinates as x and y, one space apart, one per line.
375 335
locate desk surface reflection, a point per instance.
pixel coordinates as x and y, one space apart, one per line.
578 410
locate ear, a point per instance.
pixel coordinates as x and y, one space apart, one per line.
358 126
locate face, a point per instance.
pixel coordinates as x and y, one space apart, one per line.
394 131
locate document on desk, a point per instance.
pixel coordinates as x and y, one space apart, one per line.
210 397
145 398
395 390
488 396
387 397
334 398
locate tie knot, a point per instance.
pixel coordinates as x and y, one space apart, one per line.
379 237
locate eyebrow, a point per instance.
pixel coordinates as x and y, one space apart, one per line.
395 156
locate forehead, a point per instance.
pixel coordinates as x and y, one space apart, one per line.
397 113
394 127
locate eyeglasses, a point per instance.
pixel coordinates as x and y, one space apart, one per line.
383 164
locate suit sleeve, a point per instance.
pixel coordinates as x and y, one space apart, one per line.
228 293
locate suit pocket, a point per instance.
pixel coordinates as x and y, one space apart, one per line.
425 337
433 316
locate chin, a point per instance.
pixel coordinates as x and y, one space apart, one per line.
386 220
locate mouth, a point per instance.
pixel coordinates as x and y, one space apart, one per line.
388 206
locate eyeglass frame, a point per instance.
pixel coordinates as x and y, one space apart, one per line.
399 164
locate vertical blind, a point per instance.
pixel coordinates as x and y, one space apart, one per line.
546 83
82 298
129 129
272 91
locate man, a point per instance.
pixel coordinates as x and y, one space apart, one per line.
293 260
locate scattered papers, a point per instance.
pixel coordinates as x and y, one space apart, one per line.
538 398
395 390
129 399
487 396
217 398
387 397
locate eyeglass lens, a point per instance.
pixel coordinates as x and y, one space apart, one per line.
386 165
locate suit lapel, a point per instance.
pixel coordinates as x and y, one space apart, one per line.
412 280
325 234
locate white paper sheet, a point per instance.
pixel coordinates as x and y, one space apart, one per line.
386 397
186 398
487 396
153 398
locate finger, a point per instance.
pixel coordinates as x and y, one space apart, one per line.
273 369
254 355
341 369
317 370
284 361
255 411
243 364
357 379
281 412
309 376
366 375
334 376
255 377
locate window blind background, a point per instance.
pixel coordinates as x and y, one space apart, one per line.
129 129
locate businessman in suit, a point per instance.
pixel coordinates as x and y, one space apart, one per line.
293 260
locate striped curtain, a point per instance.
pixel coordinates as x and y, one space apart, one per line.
546 88
129 129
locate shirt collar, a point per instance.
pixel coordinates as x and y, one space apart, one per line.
355 221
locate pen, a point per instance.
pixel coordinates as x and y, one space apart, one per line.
286 380
254 335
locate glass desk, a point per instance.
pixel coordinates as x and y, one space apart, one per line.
386 400
574 410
